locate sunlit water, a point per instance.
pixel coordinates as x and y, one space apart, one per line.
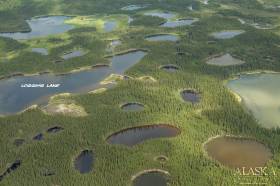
261 95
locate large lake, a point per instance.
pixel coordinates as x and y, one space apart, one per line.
15 98
261 95
42 26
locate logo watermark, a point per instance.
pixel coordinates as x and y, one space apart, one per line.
254 175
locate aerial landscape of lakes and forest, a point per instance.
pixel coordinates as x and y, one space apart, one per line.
139 92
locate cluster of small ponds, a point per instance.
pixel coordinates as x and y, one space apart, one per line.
84 163
130 137
259 92
19 142
40 136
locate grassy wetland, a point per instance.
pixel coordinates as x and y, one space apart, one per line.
51 160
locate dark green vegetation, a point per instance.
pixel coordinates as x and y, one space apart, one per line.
141 20
217 113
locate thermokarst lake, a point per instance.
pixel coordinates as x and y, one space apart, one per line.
136 135
132 107
42 26
224 60
133 7
180 22
84 162
139 93
261 95
162 37
20 92
169 68
235 152
171 22
227 34
151 178
190 96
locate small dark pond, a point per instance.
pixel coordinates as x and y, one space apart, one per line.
170 68
132 107
38 137
84 162
153 178
42 26
55 129
10 169
190 96
136 135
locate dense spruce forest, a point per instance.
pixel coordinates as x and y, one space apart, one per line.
218 112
